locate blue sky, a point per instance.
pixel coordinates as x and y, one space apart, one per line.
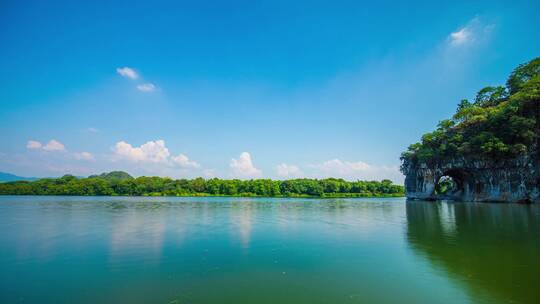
276 89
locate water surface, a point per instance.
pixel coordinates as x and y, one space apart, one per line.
239 250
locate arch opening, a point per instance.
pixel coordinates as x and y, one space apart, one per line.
450 185
446 185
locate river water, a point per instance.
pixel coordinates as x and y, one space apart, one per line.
264 250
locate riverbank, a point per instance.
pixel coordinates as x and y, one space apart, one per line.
243 195
122 184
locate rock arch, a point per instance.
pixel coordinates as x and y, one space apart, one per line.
460 177
505 181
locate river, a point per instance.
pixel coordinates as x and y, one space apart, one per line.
266 250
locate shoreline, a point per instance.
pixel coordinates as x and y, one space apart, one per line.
211 195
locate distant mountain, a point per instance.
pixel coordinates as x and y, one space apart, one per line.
8 177
114 175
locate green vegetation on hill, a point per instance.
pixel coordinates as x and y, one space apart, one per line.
501 123
113 175
121 183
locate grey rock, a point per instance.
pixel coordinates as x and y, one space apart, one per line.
515 180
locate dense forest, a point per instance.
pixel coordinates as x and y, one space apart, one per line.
502 122
121 183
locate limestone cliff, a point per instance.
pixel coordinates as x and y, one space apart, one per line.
489 150
516 180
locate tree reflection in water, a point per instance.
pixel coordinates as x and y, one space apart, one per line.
493 248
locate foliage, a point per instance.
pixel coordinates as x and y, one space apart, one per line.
501 123
445 185
111 184
114 175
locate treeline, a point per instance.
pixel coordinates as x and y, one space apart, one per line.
502 122
120 183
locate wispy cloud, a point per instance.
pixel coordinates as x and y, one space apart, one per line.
146 87
209 173
127 72
84 156
460 37
355 170
288 171
474 31
56 146
52 145
33 145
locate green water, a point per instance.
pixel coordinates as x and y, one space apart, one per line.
238 250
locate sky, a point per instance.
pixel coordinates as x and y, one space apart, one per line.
243 89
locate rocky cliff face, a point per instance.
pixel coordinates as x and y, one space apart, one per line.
516 180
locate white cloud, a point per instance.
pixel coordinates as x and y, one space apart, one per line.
474 31
288 171
146 87
54 145
152 151
209 173
84 156
184 162
243 167
153 157
356 170
130 73
460 37
127 72
341 168
92 130
32 144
